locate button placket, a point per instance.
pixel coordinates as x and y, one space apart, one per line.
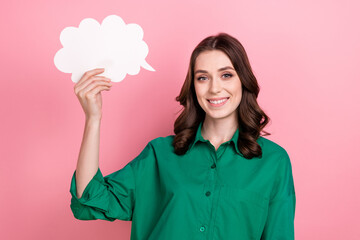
210 188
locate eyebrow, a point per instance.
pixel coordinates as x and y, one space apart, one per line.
219 70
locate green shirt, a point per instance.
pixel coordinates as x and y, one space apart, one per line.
204 194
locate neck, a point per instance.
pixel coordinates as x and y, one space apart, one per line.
219 130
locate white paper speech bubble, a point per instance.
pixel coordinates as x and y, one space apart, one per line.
113 45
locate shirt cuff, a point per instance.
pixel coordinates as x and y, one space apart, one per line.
93 192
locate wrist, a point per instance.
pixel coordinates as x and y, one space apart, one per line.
93 120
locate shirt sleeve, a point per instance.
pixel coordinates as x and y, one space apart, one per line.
281 213
110 197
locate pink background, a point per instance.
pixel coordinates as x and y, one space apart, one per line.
305 55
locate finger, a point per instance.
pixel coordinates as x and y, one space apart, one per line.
94 81
92 86
97 89
89 74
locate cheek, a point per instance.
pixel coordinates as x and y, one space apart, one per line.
237 90
198 90
198 94
239 95
238 87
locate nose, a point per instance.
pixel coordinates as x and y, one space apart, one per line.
215 85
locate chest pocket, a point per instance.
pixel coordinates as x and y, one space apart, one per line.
244 210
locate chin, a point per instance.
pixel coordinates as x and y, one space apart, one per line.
217 116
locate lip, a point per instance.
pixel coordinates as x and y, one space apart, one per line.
218 105
215 99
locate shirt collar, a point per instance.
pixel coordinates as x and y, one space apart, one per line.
199 137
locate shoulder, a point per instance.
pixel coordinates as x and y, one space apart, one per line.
156 147
272 149
154 150
162 143
162 147
276 156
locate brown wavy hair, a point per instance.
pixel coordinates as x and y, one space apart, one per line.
251 117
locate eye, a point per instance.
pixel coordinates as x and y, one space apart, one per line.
227 75
201 78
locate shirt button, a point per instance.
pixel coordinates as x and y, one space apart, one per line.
213 166
207 193
202 229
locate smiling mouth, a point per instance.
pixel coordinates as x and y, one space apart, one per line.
219 102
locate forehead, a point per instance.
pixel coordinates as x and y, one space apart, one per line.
212 60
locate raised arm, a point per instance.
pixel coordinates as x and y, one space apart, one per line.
88 91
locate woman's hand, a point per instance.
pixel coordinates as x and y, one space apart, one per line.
88 91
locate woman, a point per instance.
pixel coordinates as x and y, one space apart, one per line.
216 178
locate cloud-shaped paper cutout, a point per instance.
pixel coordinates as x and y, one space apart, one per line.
113 45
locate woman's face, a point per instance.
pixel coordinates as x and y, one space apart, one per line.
217 85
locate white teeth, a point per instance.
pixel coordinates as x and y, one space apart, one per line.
218 101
